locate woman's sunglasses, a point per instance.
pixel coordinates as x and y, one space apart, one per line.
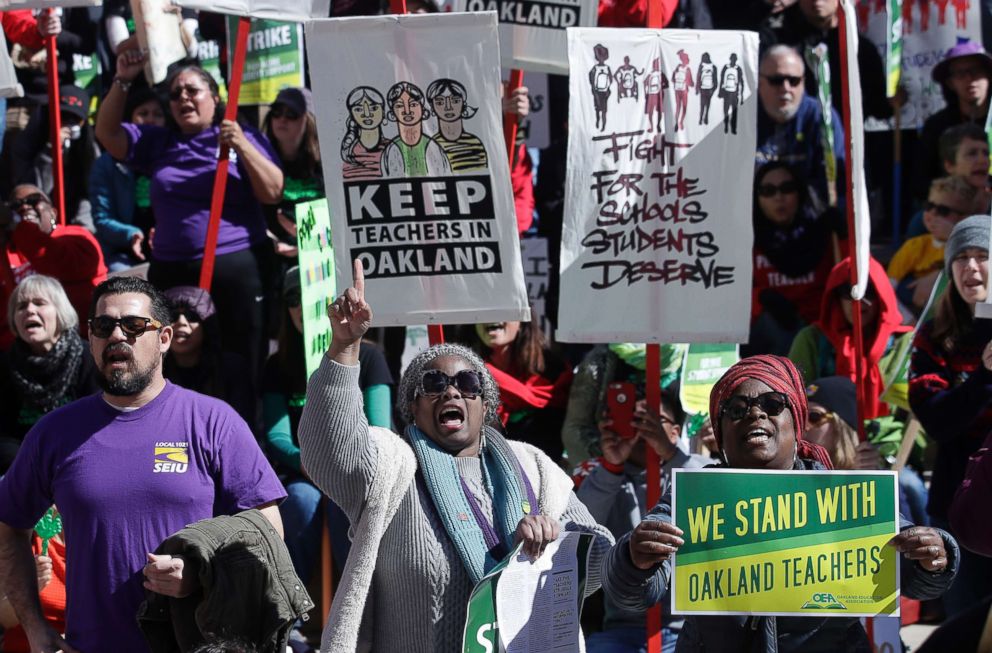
785 188
176 94
132 325
942 210
817 417
32 200
770 403
435 382
283 112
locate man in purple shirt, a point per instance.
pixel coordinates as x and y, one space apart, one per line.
127 468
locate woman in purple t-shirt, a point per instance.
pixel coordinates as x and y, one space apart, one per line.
181 160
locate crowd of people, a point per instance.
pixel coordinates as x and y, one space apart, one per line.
157 439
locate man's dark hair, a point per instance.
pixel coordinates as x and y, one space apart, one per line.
952 137
670 402
160 307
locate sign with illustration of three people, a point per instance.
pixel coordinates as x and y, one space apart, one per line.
409 118
656 245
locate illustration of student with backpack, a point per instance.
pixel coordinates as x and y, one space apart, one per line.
682 82
626 77
654 83
600 78
705 87
732 92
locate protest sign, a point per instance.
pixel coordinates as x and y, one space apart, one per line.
702 367
418 183
274 60
47 4
785 542
208 53
295 10
534 252
313 229
158 25
929 30
531 605
9 87
656 245
532 33
535 129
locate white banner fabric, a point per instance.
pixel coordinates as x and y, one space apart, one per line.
409 118
656 245
286 10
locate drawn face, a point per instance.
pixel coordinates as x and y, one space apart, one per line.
684 58
778 197
36 321
780 86
448 107
408 110
367 114
758 440
971 162
970 269
191 103
969 80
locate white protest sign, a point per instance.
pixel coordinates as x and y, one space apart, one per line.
656 245
288 10
159 32
8 77
535 129
929 30
415 165
47 4
534 252
532 32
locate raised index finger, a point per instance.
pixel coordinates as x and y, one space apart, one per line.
359 273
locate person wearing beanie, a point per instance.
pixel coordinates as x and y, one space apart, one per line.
197 360
120 197
826 347
950 391
759 409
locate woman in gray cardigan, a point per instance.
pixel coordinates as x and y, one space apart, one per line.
434 509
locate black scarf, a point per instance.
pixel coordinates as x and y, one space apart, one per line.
797 249
43 381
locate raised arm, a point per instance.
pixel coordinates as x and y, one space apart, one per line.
109 131
265 176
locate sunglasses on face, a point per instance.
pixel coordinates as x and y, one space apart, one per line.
176 94
132 325
942 210
190 315
435 382
32 200
779 80
770 403
817 417
283 112
785 188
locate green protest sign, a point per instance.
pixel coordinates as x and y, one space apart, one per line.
274 59
208 52
893 47
701 369
481 626
785 542
313 230
86 72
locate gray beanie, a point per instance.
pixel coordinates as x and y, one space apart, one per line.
970 232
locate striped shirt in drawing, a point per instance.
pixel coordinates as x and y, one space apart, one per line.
465 153
367 165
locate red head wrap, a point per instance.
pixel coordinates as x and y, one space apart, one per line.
780 375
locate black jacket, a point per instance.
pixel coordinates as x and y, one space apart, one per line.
248 592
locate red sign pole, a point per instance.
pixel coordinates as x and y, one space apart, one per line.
55 124
223 161
510 120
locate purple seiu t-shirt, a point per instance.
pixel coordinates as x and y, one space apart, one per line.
182 170
124 482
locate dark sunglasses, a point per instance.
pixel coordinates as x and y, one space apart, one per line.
32 200
942 210
771 190
435 382
132 325
770 403
778 80
176 94
283 112
190 315
817 417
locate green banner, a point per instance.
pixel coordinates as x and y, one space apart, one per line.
481 626
785 542
701 369
893 47
86 71
274 59
313 229
208 52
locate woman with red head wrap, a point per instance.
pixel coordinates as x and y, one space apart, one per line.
759 409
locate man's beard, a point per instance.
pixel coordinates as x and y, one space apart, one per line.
129 381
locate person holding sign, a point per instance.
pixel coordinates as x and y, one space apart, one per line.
432 510
950 391
181 159
759 408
